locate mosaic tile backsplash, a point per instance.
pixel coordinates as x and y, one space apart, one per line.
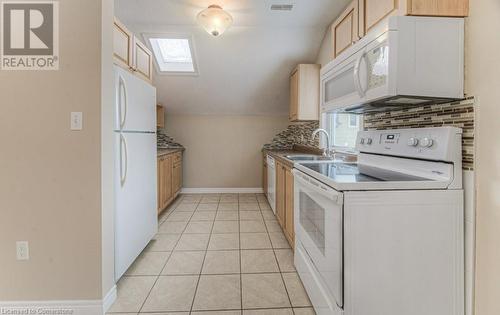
458 114
297 133
165 141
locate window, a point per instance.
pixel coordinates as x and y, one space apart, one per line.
343 129
173 54
354 121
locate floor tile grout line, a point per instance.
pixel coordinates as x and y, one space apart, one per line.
159 275
239 233
202 265
280 272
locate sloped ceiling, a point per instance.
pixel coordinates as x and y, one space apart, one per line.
246 70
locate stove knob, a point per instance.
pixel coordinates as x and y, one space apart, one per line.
426 142
412 142
369 141
362 141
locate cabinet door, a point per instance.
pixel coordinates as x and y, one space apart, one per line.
122 44
160 183
160 116
374 11
289 227
177 177
294 95
168 179
143 60
345 29
439 7
179 174
280 193
264 176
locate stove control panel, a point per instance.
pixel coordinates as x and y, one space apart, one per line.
439 143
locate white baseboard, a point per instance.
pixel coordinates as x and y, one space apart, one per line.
75 307
109 299
222 190
69 307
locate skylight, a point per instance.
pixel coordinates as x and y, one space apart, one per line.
173 55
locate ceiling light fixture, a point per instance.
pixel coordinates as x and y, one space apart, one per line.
214 20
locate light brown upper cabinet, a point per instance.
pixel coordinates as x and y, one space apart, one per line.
345 29
457 8
143 60
371 12
304 92
374 11
130 53
360 16
122 44
160 116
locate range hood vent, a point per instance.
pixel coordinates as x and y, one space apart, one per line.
395 103
282 7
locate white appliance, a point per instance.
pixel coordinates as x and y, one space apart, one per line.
384 236
271 182
409 61
136 219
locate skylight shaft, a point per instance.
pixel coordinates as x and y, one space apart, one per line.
173 55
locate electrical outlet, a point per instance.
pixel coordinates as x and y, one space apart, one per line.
23 250
76 120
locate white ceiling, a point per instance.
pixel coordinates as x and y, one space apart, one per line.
246 70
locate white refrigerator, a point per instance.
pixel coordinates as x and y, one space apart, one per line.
136 220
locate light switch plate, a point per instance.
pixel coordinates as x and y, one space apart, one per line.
76 120
23 250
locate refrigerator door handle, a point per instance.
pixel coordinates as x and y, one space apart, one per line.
124 101
123 168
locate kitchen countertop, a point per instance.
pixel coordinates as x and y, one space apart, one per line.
165 151
280 155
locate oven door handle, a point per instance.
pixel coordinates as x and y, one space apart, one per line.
318 187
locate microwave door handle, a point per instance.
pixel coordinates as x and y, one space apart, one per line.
357 77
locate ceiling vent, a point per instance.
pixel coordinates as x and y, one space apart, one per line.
282 7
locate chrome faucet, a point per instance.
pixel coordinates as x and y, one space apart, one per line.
327 151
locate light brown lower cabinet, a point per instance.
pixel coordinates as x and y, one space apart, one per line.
169 179
280 193
177 173
289 194
264 174
284 201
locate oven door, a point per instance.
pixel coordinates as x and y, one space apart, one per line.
319 230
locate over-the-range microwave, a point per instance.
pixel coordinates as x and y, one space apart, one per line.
409 61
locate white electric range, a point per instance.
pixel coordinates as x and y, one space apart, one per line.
384 236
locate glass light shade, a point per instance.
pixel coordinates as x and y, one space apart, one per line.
214 20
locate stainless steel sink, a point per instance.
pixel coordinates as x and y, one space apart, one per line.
309 158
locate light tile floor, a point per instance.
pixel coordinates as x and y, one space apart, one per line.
215 254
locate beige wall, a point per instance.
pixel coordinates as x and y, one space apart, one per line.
483 81
50 192
223 151
107 149
325 52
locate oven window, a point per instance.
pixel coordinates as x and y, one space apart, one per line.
312 220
